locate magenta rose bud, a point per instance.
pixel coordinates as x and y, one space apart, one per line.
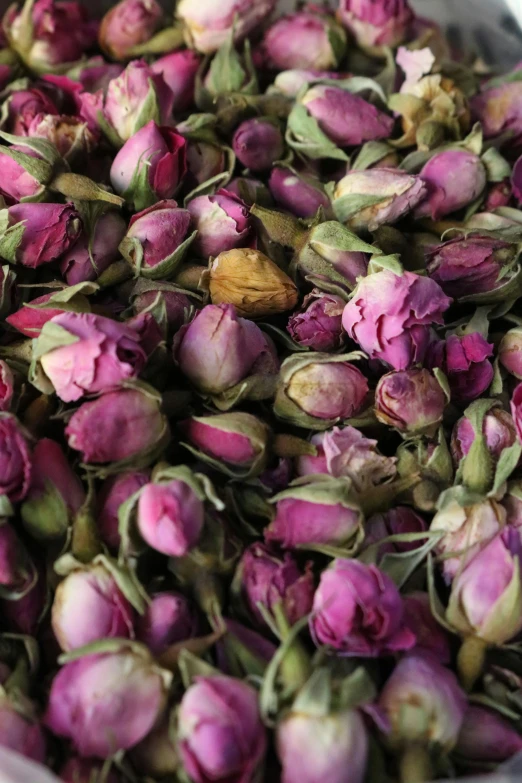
88 605
20 731
128 24
15 459
432 638
345 118
218 349
100 722
470 265
398 520
303 40
498 429
499 109
217 743
170 517
179 71
262 577
318 325
258 143
7 384
412 401
117 426
358 611
114 492
162 153
465 362
209 25
222 222
297 193
486 737
510 352
168 619
23 106
78 770
454 178
377 22
49 231
90 256
390 316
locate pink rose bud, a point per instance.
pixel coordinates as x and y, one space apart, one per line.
168 619
209 25
16 569
217 349
179 71
114 492
510 352
55 495
101 721
454 178
216 743
432 638
119 425
170 517
15 459
412 401
264 578
346 452
377 22
322 512
390 316
20 730
91 255
424 704
88 605
48 231
359 611
7 384
470 265
464 361
318 324
24 105
128 24
499 109
396 521
304 40
72 136
345 118
17 182
498 429
222 222
78 770
258 143
91 354
395 193
162 153
297 193
486 737
499 193
29 319
173 306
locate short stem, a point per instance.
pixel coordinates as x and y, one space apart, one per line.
189 276
470 660
116 273
76 186
415 765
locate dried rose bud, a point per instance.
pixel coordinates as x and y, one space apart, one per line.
20 730
258 143
499 193
17 571
510 352
453 178
264 578
47 231
168 304
30 318
432 638
222 222
179 71
252 282
498 109
412 401
91 255
394 193
485 736
498 429
71 136
128 24
516 410
170 517
297 193
15 459
390 316
304 40
78 770
24 105
204 161
169 618
381 23
318 325
218 744
22 178
398 520
7 384
359 611
464 361
208 26
114 492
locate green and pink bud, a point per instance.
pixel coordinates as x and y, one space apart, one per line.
170 517
179 70
35 234
208 26
411 401
114 492
498 430
93 254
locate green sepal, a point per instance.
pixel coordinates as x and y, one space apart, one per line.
306 137
371 153
10 237
149 110
139 194
46 517
132 251
255 388
346 207
497 167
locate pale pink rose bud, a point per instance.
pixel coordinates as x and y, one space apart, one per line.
377 22
209 25
170 517
454 178
154 239
222 222
128 24
510 352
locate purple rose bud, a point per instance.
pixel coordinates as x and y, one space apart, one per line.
155 237
359 611
90 256
17 182
23 107
170 517
297 193
432 638
454 178
49 231
88 605
316 513
222 222
464 360
390 316
318 324
20 730
412 401
258 143
510 352
498 429
29 319
217 743
499 109
115 491
209 25
119 425
345 118
470 265
346 452
395 193
7 384
396 521
217 349
486 737
377 23
168 619
15 459
162 152
179 71
128 24
100 722
303 40
127 94
264 578
424 704
78 770
16 569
